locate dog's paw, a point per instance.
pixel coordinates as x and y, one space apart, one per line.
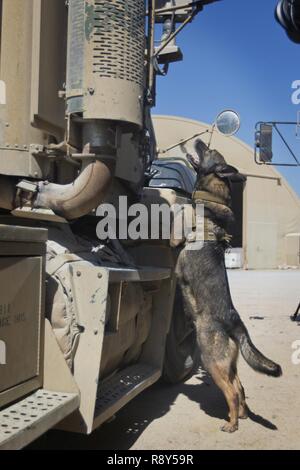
228 427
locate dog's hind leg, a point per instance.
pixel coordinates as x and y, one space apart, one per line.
243 408
223 380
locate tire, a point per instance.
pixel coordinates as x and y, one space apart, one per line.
182 357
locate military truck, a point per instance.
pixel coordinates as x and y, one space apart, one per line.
85 324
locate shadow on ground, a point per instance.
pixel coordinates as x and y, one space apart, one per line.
133 419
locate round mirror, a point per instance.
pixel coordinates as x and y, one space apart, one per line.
228 122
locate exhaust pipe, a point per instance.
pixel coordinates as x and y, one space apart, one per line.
86 192
70 201
79 198
104 98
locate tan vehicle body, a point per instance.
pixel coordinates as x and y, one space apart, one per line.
82 332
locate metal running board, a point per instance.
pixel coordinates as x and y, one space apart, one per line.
115 392
28 419
142 274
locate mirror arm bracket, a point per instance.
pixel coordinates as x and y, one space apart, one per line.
182 142
286 144
177 31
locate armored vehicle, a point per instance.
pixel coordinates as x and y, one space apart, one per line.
86 324
87 321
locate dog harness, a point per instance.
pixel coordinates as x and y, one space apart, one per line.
211 231
205 196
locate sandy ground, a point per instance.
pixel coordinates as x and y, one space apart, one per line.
189 416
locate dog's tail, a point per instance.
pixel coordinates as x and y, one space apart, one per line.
251 354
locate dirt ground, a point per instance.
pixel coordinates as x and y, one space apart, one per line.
189 416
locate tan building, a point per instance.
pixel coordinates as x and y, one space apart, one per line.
267 230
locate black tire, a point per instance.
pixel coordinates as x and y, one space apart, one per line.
182 357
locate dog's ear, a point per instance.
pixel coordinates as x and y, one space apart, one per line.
228 171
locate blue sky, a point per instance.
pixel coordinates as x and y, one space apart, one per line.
236 56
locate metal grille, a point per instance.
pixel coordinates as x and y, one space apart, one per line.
119 39
27 419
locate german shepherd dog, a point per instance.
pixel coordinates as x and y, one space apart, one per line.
204 288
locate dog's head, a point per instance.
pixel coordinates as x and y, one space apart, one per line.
211 162
214 175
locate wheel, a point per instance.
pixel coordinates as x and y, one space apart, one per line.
182 357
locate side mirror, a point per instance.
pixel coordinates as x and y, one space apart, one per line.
263 142
228 122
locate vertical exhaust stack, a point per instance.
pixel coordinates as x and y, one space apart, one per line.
105 70
104 96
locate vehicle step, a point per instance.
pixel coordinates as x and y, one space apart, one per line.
122 387
28 419
141 274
